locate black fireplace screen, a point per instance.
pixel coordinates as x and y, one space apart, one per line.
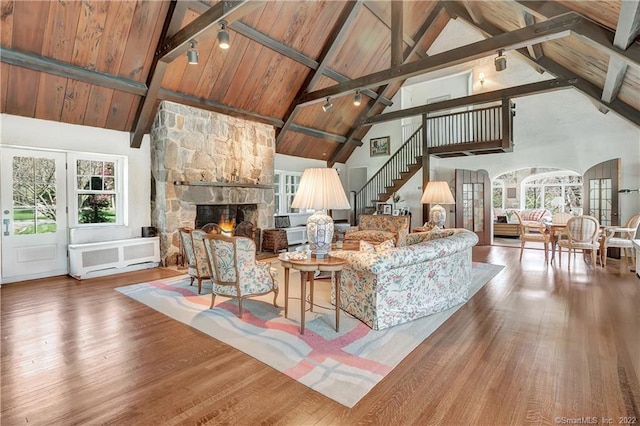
216 213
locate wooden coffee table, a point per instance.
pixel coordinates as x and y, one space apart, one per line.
307 268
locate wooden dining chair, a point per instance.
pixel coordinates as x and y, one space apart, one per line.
623 241
532 232
583 233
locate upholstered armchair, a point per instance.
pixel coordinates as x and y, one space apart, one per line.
622 240
583 233
378 228
235 272
193 246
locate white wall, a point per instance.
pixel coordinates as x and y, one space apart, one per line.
42 134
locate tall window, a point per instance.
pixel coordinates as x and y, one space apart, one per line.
498 194
285 187
99 196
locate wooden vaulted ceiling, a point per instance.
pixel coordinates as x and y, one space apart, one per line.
109 64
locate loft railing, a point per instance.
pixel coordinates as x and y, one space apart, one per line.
478 125
451 133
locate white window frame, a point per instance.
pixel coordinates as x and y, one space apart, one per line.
120 174
527 183
282 208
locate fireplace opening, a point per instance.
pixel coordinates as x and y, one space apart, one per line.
223 214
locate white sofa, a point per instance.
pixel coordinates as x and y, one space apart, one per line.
405 283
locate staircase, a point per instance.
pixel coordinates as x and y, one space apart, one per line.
486 130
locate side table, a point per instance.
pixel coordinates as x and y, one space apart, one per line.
307 268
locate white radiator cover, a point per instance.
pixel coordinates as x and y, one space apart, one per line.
113 257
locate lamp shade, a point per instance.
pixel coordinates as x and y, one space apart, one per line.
437 193
320 188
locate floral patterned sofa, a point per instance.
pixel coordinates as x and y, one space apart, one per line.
402 284
378 228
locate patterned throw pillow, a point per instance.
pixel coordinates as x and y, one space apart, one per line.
365 246
385 245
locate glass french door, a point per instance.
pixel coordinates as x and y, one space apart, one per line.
34 221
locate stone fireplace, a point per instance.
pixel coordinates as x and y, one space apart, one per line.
203 158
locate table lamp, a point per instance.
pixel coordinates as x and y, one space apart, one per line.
320 189
437 193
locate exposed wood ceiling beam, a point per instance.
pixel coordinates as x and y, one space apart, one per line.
171 47
281 48
63 69
543 31
341 28
627 30
317 133
616 70
624 110
588 31
206 104
374 102
544 9
474 11
479 98
375 9
628 24
336 37
527 19
230 11
397 30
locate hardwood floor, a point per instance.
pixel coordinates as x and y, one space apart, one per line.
535 344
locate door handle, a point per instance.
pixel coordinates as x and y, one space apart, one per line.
5 225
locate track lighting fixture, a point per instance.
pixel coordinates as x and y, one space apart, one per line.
327 105
500 61
357 98
223 35
192 53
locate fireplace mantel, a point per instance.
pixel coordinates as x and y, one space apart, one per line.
222 184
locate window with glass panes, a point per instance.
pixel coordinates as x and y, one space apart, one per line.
556 192
98 194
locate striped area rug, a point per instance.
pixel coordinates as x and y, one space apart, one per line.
343 366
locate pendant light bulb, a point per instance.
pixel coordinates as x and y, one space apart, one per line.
223 36
357 98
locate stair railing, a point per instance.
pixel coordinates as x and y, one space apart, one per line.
375 189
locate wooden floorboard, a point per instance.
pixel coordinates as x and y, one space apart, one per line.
535 345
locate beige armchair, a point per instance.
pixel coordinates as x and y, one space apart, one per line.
235 272
623 241
196 255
